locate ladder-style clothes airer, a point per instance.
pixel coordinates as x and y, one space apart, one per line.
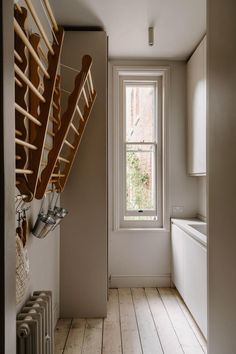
46 142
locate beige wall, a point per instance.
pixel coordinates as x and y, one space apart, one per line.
222 175
84 231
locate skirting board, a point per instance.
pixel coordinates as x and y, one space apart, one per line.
137 281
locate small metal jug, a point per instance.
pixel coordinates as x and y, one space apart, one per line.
43 225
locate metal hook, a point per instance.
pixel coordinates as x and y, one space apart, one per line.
19 218
18 207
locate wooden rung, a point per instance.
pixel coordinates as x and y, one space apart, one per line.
43 54
80 114
27 43
18 82
60 158
27 114
23 171
47 147
18 157
74 128
49 191
50 23
89 90
57 175
18 7
53 180
55 106
85 97
51 16
28 83
90 81
56 91
51 133
39 25
63 90
54 120
17 56
25 144
69 67
69 144
18 133
44 163
41 87
17 183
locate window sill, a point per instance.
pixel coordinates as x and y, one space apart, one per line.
141 229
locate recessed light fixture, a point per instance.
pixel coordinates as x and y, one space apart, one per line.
150 36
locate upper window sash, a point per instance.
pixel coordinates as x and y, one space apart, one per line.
151 135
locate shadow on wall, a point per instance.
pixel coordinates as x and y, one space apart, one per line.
80 12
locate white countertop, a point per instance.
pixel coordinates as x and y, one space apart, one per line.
185 223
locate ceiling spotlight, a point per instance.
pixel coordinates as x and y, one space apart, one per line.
150 36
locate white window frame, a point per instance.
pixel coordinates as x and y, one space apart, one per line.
161 76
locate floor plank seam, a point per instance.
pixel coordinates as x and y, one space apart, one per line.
136 319
102 335
64 348
154 321
121 339
83 336
170 320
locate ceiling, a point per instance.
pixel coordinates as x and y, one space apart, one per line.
178 24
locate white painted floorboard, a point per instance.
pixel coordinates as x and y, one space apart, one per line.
139 321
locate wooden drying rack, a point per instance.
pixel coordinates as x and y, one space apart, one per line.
42 166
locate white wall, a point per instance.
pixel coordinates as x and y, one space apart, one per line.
141 257
222 176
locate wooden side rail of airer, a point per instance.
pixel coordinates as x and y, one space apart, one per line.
21 107
83 92
32 115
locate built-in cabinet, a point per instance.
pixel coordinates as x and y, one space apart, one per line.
189 273
196 110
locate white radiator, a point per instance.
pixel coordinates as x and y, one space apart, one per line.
34 325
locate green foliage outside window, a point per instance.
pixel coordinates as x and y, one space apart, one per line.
138 184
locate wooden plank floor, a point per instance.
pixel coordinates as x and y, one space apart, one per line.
148 321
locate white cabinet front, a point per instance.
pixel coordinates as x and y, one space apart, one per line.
177 258
189 274
195 280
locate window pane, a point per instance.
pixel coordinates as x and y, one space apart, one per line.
140 177
140 113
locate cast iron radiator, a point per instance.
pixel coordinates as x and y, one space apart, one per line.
34 325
